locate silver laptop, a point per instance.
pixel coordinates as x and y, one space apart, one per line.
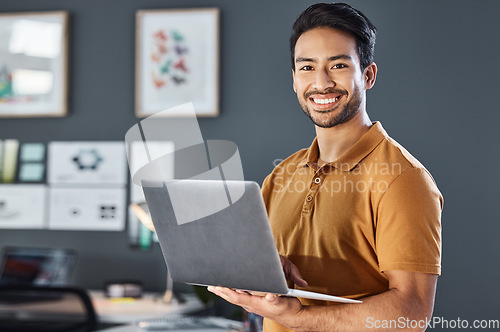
217 233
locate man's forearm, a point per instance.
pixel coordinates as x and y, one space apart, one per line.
384 307
410 297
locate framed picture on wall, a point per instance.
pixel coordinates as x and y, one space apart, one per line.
33 64
177 61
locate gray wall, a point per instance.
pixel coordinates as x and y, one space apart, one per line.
435 94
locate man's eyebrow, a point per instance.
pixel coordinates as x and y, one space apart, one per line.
339 57
332 58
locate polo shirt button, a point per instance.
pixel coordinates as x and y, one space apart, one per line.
309 198
317 180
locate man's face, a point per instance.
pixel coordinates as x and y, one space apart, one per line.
327 76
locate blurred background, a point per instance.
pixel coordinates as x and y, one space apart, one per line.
436 94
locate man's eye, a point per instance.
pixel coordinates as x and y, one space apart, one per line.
306 68
339 66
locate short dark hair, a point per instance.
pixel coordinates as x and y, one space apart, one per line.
339 16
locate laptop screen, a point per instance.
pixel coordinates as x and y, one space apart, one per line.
37 266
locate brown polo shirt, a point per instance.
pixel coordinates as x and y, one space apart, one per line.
376 208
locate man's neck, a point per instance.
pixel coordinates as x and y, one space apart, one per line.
334 142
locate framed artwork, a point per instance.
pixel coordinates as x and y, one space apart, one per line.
177 61
33 64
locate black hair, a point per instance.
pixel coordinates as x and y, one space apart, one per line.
339 16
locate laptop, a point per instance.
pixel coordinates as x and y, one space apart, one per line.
217 233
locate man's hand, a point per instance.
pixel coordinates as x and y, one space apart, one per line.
277 308
410 295
292 272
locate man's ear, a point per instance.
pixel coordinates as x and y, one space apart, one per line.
293 77
370 75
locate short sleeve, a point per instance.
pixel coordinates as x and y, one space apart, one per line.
408 225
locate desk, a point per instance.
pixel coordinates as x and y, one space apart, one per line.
110 312
149 306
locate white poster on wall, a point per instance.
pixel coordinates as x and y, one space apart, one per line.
87 163
22 206
87 208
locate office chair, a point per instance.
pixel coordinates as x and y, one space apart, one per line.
44 308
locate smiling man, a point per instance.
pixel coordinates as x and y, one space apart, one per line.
355 214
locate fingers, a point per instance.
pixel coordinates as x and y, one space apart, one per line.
225 293
236 295
268 305
292 272
244 299
296 277
222 291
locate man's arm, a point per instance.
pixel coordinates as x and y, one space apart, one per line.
410 298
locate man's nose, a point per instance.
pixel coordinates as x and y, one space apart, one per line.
324 80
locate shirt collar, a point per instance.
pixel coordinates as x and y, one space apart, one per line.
354 155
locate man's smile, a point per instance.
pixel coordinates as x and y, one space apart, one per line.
327 101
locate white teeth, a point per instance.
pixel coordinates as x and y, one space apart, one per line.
325 101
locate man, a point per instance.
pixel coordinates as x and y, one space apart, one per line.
355 214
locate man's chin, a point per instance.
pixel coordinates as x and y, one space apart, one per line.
329 121
323 116
323 123
327 118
